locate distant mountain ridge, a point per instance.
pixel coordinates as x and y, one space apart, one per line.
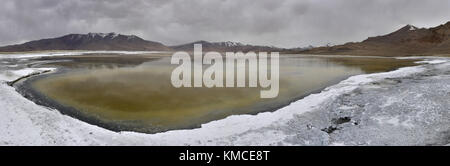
407 41
226 47
119 42
90 41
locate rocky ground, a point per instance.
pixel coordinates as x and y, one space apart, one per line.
407 110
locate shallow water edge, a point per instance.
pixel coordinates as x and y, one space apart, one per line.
25 88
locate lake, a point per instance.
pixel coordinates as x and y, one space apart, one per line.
134 92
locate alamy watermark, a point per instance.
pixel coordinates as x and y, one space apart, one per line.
235 65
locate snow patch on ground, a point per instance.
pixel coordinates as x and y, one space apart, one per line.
394 121
436 61
11 75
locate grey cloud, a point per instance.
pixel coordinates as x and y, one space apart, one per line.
285 23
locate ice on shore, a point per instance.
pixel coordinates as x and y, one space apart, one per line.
361 110
11 75
436 61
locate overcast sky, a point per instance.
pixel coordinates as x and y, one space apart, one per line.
288 23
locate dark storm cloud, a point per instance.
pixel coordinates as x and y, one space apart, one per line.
288 23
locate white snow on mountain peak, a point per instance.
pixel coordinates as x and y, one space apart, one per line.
131 37
111 35
230 44
114 35
412 28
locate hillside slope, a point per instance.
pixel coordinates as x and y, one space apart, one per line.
225 47
90 41
407 41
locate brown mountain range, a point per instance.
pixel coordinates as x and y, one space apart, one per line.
226 47
407 41
118 42
90 41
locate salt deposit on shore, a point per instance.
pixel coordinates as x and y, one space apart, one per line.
408 106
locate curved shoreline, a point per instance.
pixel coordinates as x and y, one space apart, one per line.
261 129
25 88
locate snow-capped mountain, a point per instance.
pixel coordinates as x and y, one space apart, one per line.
119 42
408 40
225 47
90 41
